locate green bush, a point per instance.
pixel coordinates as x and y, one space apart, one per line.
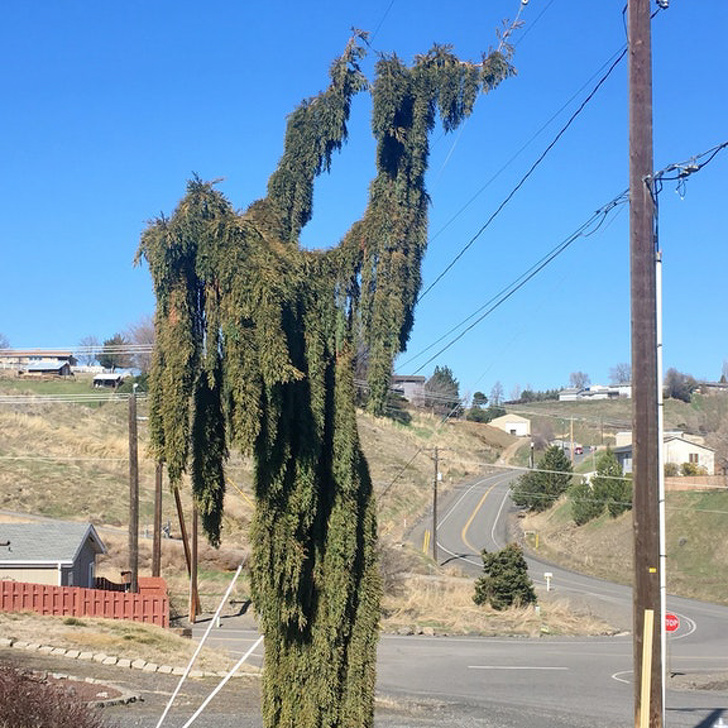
505 581
688 469
538 489
584 504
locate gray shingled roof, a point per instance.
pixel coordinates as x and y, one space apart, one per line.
46 542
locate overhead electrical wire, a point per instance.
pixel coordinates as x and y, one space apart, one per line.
679 171
523 179
621 54
505 293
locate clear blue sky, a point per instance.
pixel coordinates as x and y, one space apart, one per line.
108 108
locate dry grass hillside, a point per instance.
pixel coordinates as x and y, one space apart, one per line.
69 461
697 550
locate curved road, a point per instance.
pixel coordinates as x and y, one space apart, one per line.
515 683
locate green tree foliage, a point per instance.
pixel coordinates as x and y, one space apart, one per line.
584 504
671 470
505 581
479 400
485 415
610 486
679 386
113 355
530 395
442 392
692 469
256 344
608 490
538 489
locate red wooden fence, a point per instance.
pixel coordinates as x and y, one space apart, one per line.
149 605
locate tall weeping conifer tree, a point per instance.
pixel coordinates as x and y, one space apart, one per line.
255 347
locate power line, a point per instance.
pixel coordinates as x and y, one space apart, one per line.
505 293
525 177
621 54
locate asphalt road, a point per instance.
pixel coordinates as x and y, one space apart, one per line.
547 682
483 682
474 516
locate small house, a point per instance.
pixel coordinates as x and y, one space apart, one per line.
57 553
409 386
513 425
111 380
46 368
676 450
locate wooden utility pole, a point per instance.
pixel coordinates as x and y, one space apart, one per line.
194 595
157 538
648 708
185 539
434 505
571 438
133 496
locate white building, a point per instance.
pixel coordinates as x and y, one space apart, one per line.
513 425
676 450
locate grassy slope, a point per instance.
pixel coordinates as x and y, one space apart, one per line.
76 468
697 550
595 423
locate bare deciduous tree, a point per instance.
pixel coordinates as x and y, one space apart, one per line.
621 373
141 333
496 394
579 379
90 348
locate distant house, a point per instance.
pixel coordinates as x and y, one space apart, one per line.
52 552
676 450
595 392
570 394
51 368
109 379
513 425
624 437
410 386
20 358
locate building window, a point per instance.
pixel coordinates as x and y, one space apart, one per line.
693 457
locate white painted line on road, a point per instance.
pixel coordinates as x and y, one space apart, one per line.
618 677
692 627
513 667
497 518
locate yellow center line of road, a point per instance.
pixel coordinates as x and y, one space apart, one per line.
468 523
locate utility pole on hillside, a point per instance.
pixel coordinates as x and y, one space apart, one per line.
157 536
434 505
648 708
133 495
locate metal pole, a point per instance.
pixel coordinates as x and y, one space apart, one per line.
434 508
661 474
133 496
157 540
645 512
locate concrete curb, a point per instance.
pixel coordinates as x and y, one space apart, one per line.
113 661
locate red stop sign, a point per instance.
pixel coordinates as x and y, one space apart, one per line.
672 622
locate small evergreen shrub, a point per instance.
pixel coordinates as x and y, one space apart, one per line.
505 581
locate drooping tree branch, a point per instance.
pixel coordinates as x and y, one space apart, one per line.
255 347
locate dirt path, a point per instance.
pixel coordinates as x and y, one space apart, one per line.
509 452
